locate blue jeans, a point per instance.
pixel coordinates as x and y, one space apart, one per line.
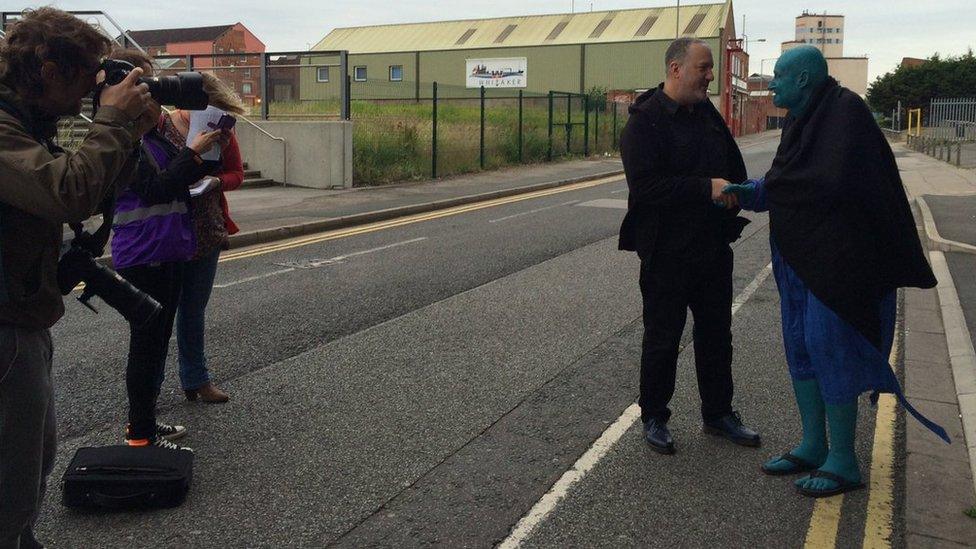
198 279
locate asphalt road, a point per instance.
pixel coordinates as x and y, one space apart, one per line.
954 217
426 384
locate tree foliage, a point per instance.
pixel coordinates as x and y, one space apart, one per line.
915 86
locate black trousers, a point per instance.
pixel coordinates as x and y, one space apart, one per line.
149 344
670 286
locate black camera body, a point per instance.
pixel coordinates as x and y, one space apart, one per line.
78 264
183 91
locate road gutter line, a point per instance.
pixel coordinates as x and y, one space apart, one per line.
382 225
260 236
545 506
880 511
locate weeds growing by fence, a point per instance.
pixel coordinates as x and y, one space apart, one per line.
392 140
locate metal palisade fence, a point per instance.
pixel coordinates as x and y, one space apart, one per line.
452 130
946 130
953 118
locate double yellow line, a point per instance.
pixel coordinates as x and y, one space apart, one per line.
408 220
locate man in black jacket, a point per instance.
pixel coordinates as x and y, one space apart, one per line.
678 156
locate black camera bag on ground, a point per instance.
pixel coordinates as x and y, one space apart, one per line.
125 477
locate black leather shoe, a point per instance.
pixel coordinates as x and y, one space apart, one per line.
730 427
657 435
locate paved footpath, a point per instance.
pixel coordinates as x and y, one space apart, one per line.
939 362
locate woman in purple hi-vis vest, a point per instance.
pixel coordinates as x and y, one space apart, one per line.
153 236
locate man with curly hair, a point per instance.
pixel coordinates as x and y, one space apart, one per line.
49 61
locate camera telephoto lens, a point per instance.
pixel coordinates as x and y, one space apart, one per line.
183 91
78 265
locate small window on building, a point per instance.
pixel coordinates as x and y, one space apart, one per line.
557 30
504 34
246 88
646 26
602 26
396 73
830 30
247 73
464 37
322 74
359 74
695 22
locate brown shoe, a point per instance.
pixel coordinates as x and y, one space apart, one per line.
207 393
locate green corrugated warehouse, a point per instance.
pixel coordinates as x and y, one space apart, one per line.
616 50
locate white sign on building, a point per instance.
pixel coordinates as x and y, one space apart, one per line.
508 72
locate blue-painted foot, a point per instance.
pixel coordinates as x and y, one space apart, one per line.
793 462
823 484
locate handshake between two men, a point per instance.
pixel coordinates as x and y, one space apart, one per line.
727 194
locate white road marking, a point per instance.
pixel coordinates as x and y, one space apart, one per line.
614 203
253 278
545 506
618 191
537 210
315 263
747 292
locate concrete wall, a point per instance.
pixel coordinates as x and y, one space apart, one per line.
851 72
315 154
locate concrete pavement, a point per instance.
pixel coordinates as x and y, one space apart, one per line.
940 364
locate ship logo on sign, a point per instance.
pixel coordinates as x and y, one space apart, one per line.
481 71
496 73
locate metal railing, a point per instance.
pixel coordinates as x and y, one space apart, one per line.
7 17
284 148
275 85
952 118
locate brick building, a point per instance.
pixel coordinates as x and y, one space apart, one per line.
242 73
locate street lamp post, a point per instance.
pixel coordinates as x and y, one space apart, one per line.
677 20
746 40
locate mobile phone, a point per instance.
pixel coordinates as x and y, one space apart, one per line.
226 122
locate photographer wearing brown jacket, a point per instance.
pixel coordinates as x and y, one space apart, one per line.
49 61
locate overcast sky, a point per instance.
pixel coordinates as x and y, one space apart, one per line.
884 30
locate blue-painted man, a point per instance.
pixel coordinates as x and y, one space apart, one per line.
843 241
